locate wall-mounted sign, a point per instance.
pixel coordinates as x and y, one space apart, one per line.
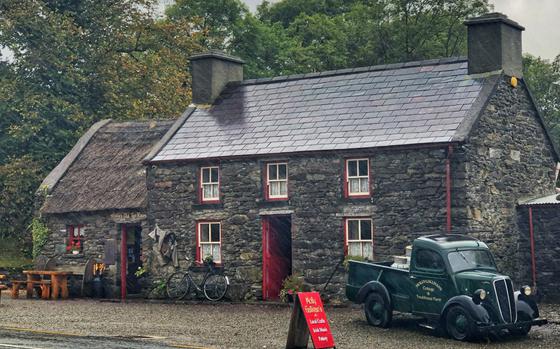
309 318
127 217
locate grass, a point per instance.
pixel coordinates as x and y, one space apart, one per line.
11 255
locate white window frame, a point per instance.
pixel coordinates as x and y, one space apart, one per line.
358 177
211 243
360 240
277 180
203 184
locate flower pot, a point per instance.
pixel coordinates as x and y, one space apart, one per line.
75 252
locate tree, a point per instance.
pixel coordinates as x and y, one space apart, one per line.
543 78
76 62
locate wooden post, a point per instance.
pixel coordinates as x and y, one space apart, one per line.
123 261
532 237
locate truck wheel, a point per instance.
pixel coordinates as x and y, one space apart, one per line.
459 324
377 312
524 330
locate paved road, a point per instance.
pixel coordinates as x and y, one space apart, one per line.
23 339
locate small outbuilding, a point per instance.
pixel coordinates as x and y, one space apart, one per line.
94 201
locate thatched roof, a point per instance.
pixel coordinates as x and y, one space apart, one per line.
105 171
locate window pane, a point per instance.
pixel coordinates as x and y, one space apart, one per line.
352 168
207 191
216 253
272 172
206 251
364 184
353 230
82 232
215 233
365 226
428 259
275 189
205 175
354 249
204 233
215 173
363 167
282 171
367 250
354 185
283 188
215 188
76 232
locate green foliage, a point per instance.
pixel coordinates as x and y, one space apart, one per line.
40 233
76 62
290 286
543 77
349 258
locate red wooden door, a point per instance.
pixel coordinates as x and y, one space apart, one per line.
277 254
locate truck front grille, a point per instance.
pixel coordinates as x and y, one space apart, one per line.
505 300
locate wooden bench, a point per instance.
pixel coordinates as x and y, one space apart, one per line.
43 285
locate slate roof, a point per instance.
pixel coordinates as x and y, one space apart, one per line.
412 103
107 172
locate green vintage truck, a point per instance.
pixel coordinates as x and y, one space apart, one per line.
449 280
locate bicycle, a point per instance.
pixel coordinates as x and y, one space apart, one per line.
214 286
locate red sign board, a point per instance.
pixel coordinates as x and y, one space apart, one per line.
309 313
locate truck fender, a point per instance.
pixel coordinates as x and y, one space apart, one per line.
526 305
373 286
477 311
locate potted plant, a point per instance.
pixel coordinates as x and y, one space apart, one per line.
290 287
74 248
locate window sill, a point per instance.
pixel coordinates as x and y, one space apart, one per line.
200 266
73 256
362 198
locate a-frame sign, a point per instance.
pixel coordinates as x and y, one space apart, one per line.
309 318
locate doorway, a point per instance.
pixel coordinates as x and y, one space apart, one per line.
131 252
277 254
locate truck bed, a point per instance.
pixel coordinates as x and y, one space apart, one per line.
396 280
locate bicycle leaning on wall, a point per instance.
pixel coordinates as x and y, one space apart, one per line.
214 285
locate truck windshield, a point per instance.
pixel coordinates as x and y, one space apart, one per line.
470 259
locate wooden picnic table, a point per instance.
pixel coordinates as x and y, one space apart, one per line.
59 281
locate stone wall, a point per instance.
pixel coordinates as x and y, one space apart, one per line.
99 227
408 200
507 158
546 227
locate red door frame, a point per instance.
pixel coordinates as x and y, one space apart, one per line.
265 248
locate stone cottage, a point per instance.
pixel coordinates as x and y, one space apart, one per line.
95 203
290 174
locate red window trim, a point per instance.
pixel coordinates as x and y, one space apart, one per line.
198 257
71 239
346 188
345 229
200 190
267 187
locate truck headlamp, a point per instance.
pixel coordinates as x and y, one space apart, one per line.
526 290
478 296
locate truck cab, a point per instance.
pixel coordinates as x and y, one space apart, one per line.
452 282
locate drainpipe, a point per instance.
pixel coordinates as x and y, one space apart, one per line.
532 237
123 261
448 187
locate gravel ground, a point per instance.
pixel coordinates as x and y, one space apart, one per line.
237 325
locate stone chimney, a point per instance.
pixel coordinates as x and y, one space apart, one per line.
211 72
494 43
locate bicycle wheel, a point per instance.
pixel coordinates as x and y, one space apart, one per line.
215 287
177 286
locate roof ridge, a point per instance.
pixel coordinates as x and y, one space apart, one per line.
380 67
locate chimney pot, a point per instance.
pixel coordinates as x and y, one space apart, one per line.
494 43
211 72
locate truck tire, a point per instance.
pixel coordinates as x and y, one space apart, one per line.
521 331
377 311
459 324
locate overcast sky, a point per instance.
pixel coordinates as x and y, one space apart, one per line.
541 19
